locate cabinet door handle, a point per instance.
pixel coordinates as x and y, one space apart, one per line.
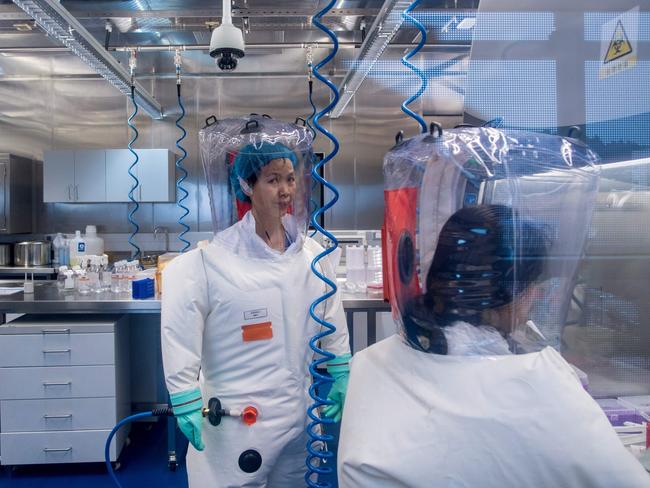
69 192
76 193
66 416
63 449
55 331
56 351
49 383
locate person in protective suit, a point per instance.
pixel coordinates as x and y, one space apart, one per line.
455 405
236 326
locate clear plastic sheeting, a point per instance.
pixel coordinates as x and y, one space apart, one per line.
236 153
486 227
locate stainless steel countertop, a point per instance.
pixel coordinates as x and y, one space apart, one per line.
17 270
48 299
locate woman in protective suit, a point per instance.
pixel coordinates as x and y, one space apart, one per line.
236 326
456 406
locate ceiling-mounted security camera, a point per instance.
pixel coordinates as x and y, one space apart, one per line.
227 41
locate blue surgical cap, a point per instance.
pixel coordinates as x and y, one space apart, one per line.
252 158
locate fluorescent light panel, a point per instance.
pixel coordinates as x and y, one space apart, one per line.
386 25
57 22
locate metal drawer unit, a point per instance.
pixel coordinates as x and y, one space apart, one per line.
64 383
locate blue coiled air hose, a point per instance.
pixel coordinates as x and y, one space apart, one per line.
183 171
312 202
314 452
107 447
405 61
136 182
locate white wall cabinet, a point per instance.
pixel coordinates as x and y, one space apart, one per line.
58 176
61 397
87 176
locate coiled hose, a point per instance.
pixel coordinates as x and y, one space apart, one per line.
165 411
314 452
313 203
136 182
405 61
183 171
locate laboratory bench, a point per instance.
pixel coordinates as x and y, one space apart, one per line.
48 299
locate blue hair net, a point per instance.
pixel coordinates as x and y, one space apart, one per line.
251 159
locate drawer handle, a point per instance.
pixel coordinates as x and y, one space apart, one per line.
47 383
55 331
67 416
49 449
56 351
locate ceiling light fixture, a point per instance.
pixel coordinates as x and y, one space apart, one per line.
384 28
61 25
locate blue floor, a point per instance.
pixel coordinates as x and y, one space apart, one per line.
143 463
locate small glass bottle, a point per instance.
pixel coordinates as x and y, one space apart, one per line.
83 283
61 277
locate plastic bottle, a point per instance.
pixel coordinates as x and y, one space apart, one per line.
59 249
94 244
77 248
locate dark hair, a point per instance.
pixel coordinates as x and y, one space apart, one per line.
486 256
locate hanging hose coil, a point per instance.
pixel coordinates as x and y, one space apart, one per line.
136 182
179 163
316 438
405 61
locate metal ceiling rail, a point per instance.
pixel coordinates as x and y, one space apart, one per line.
9 13
61 25
383 29
205 47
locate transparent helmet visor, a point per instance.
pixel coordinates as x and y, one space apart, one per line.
258 171
486 227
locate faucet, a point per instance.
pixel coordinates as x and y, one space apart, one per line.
158 230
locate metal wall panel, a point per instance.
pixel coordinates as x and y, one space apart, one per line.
54 101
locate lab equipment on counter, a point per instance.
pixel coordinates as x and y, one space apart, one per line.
59 245
94 244
374 277
355 267
77 246
5 254
163 261
143 288
32 253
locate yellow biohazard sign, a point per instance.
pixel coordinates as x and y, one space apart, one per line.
619 46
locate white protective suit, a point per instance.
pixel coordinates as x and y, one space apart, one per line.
209 295
414 419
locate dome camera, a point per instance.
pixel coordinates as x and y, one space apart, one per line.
227 46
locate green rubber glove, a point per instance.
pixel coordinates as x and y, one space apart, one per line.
187 410
339 368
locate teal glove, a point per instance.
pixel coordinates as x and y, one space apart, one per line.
187 410
339 368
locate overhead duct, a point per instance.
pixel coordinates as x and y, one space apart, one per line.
57 22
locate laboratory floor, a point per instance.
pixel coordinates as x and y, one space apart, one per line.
143 463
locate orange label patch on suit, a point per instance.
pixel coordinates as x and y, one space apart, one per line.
257 332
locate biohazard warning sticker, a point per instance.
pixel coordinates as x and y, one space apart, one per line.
618 45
